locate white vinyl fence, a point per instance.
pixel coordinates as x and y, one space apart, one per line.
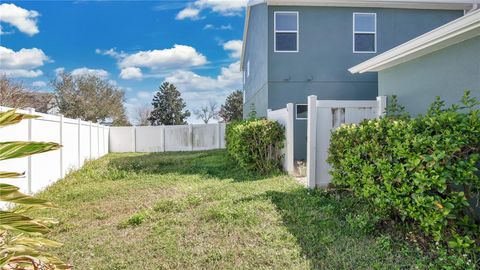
81 141
325 115
285 117
167 138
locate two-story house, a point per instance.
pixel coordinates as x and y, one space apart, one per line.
293 49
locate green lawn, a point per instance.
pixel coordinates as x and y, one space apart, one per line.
198 210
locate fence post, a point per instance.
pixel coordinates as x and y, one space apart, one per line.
60 141
190 132
311 141
290 138
98 140
381 106
79 144
90 136
31 111
134 139
163 138
218 135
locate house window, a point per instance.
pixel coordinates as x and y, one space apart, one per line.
364 32
302 111
286 31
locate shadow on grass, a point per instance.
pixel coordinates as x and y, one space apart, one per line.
209 164
319 220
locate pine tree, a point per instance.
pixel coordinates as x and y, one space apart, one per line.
168 107
233 108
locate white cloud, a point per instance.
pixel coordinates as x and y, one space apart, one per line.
159 62
22 63
21 73
198 90
101 73
111 52
24 20
22 59
230 77
39 84
223 7
180 56
188 12
235 48
59 71
221 27
131 73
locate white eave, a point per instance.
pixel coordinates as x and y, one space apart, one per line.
449 34
406 4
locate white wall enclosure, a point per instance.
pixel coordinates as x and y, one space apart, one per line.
323 117
285 117
81 141
167 138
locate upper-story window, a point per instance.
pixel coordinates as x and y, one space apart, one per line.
364 32
286 31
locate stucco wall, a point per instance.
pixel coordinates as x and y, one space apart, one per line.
256 53
445 73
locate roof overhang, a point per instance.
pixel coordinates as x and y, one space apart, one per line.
449 34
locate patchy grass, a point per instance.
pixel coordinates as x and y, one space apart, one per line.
199 210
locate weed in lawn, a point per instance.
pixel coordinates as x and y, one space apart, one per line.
134 220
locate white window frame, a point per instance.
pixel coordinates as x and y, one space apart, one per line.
275 31
296 112
365 32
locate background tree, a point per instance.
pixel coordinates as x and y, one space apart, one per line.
15 95
142 114
168 107
233 108
90 98
207 112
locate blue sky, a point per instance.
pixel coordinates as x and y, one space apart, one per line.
135 44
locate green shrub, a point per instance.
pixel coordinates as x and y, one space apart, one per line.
256 144
423 170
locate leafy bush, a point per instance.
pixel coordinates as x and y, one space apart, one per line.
423 170
256 144
23 239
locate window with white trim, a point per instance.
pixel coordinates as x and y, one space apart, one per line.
286 31
364 32
301 111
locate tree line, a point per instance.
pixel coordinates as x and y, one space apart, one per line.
92 98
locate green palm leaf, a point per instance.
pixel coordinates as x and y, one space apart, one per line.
16 222
11 175
24 254
9 193
11 117
19 149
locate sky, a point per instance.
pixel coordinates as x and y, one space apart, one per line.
136 45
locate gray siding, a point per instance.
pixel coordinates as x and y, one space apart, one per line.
445 73
326 53
256 52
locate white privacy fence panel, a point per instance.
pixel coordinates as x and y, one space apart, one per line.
167 138
285 117
323 117
81 140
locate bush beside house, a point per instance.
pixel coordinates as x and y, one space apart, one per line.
423 170
256 144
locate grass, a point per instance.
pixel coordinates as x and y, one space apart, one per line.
199 210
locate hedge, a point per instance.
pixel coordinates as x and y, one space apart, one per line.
256 144
423 170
